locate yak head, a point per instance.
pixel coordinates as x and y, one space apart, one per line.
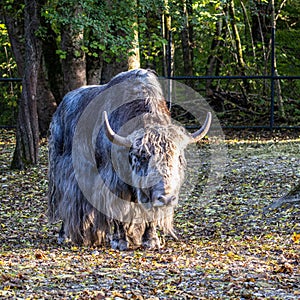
156 161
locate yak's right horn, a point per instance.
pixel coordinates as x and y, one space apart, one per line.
114 137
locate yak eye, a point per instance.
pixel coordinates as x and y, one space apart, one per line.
139 161
143 158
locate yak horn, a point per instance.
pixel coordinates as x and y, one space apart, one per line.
199 134
112 136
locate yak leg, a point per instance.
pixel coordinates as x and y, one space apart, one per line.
134 233
150 237
118 240
61 235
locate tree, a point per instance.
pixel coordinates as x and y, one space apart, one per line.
168 46
27 139
186 39
134 61
237 46
14 21
74 60
215 57
37 98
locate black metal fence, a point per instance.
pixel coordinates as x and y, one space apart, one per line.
272 78
271 124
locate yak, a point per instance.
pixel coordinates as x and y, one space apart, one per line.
116 162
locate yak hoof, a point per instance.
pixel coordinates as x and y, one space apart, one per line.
152 243
119 244
61 240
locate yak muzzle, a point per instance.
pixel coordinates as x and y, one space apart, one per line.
164 200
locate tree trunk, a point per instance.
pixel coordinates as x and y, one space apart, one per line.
94 70
247 21
74 63
264 52
46 103
27 139
134 61
49 78
238 49
168 50
51 62
113 68
236 36
275 71
134 54
213 61
186 41
164 35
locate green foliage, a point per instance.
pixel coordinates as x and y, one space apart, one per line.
108 26
109 32
9 92
288 51
7 64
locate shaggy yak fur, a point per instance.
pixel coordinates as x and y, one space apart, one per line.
150 154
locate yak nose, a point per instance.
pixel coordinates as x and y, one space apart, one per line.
164 200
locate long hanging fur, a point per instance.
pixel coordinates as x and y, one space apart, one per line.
83 223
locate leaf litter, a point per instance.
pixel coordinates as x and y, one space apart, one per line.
228 248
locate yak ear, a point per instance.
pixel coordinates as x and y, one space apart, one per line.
200 134
112 136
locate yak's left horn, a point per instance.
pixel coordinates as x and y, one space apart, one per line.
199 134
112 136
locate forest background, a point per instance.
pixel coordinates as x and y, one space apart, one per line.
57 46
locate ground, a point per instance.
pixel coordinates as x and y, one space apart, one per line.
228 248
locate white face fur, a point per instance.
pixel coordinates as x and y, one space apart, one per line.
157 165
